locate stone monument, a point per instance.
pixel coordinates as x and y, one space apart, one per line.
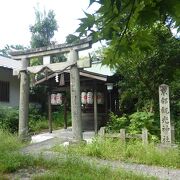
165 122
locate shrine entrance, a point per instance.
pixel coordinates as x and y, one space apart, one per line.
95 103
73 63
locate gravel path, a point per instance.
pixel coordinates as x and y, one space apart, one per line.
43 148
160 172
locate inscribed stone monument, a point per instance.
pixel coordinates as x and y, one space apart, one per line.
164 114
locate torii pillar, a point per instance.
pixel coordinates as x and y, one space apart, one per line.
24 100
72 62
75 97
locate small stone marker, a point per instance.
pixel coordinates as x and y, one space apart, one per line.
145 136
164 114
123 135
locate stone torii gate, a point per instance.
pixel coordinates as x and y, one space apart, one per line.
72 62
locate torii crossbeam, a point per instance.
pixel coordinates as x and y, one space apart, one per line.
72 62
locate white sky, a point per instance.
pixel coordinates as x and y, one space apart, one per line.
17 15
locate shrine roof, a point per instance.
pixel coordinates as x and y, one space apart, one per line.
9 63
100 69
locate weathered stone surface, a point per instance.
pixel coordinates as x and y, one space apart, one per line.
53 49
164 114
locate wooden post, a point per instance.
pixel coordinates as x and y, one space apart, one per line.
123 135
65 112
24 101
95 113
144 136
49 113
75 98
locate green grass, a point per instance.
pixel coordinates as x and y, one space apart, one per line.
8 142
131 152
10 159
60 168
76 169
38 126
41 124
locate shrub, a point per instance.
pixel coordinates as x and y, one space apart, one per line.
35 113
39 122
9 119
116 123
58 117
134 122
139 120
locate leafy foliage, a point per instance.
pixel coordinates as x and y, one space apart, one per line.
42 32
116 123
141 48
72 39
9 119
38 121
5 51
116 19
43 29
143 72
58 58
139 120
132 123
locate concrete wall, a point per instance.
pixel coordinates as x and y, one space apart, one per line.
6 75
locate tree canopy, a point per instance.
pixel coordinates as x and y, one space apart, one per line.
142 49
117 20
71 38
44 28
142 73
42 32
5 51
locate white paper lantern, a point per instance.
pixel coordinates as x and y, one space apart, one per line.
89 98
83 97
53 99
59 98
